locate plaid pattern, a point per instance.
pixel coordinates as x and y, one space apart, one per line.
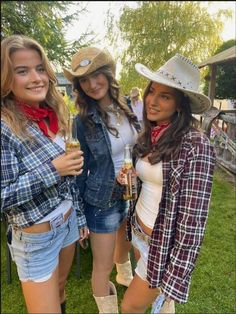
180 224
30 185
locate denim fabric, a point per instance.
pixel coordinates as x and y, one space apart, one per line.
143 248
97 182
37 254
106 220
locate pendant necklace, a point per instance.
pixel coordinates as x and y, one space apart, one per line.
117 113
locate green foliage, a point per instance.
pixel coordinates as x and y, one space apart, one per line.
156 30
225 75
71 105
45 21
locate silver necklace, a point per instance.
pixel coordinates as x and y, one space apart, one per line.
117 112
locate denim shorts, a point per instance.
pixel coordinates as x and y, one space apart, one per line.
37 254
106 220
143 247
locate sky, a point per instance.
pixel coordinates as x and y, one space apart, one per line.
96 16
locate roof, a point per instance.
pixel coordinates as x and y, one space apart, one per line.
62 80
221 57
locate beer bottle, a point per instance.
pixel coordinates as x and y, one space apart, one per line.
130 192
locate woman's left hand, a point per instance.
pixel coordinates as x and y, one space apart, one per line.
84 234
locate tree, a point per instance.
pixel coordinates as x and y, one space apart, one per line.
156 30
225 75
45 21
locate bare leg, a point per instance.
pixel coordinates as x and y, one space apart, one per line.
138 296
65 262
123 246
103 246
42 297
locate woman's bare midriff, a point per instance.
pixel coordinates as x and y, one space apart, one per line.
145 229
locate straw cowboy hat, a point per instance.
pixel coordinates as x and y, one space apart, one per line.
88 60
180 73
134 92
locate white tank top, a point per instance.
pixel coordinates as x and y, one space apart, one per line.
127 135
66 204
149 199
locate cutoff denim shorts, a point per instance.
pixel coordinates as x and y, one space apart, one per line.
37 254
106 220
143 248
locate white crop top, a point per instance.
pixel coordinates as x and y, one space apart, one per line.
149 199
66 204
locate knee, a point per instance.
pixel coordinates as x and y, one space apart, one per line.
103 268
127 307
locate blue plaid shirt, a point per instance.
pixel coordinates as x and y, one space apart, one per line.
31 187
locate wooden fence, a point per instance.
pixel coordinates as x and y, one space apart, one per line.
220 126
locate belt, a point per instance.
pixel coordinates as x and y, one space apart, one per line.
142 236
47 225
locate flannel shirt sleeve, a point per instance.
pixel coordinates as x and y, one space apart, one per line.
193 207
16 188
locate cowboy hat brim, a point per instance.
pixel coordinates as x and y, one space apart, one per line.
198 102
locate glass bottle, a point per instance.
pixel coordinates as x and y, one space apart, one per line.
130 192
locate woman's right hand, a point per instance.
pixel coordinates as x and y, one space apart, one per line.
121 177
69 164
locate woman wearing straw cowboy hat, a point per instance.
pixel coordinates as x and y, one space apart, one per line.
174 162
105 124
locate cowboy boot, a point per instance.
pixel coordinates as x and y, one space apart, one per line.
108 304
124 273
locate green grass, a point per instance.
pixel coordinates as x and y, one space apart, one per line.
213 285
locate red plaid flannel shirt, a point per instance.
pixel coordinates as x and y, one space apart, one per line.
180 224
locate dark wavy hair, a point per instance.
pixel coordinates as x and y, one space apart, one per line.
84 102
168 145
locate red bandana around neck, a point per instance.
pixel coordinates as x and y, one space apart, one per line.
157 132
38 114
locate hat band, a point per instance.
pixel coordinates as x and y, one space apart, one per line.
172 78
83 63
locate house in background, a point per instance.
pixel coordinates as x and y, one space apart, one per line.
63 84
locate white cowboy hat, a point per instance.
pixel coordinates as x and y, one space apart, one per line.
180 73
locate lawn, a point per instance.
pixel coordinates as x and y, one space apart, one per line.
213 283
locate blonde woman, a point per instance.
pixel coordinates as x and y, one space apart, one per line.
105 124
38 194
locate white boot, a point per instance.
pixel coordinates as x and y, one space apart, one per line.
124 273
108 304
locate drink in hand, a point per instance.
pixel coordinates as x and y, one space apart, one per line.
130 192
72 145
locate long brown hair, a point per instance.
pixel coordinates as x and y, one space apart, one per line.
84 102
9 111
169 143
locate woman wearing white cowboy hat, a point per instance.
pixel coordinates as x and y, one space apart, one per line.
175 163
105 124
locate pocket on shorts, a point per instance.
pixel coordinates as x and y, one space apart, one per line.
35 241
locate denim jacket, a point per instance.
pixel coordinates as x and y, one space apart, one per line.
97 183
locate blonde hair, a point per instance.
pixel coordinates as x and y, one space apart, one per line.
9 111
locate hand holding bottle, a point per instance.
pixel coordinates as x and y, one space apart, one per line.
127 176
69 164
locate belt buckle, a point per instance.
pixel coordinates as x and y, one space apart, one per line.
56 222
